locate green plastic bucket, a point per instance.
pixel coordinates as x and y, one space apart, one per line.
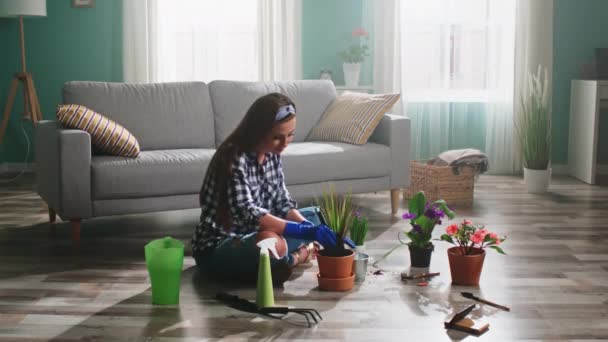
165 258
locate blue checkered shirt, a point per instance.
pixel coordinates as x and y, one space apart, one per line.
253 191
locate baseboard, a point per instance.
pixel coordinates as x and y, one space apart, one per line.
17 167
560 169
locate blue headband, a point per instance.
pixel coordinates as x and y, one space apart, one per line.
284 111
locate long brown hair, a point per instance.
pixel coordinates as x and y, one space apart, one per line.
250 132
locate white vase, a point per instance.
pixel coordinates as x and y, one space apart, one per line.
351 74
537 181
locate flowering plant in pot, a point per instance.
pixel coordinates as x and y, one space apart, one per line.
353 55
466 258
423 218
336 263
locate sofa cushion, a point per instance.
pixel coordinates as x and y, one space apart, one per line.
311 162
231 99
161 115
153 173
352 117
107 136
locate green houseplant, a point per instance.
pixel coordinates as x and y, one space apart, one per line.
353 55
336 264
358 231
533 130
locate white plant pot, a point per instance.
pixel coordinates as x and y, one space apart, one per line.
537 181
351 74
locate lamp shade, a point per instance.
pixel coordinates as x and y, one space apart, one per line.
22 8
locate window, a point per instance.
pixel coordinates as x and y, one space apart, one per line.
207 40
457 50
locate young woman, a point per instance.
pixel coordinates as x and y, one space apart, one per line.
244 199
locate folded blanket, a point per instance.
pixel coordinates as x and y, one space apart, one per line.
465 157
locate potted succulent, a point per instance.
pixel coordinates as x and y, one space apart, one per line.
423 218
336 264
358 231
533 128
466 258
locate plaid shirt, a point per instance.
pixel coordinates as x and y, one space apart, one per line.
253 191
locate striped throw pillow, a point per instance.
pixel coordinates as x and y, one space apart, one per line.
106 135
352 117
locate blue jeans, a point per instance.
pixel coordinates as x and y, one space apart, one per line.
238 257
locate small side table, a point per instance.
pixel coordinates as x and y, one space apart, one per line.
586 97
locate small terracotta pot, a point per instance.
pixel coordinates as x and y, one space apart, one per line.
336 284
466 269
336 267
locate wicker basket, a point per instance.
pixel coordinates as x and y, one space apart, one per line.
455 186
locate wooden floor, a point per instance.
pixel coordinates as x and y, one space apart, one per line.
555 277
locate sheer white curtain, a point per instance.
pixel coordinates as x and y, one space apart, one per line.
452 60
206 40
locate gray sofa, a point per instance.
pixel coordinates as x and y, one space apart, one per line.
178 126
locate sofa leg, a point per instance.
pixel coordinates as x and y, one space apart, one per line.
394 200
75 227
52 215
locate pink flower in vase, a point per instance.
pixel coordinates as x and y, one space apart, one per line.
359 32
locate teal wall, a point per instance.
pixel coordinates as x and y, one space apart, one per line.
326 25
95 35
578 28
68 44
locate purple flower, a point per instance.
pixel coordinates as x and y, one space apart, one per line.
434 213
357 213
408 216
417 229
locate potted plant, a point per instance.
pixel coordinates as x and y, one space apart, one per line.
466 258
423 218
353 56
533 129
358 231
336 264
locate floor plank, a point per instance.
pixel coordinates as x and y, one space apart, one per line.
555 277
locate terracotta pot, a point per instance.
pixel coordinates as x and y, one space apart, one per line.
466 269
336 284
420 257
336 267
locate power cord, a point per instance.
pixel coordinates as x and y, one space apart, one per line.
27 155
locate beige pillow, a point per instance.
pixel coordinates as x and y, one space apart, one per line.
352 117
106 135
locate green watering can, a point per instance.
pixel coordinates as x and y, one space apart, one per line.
165 258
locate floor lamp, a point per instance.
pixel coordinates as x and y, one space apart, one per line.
20 9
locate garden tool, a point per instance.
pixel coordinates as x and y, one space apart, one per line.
481 300
276 312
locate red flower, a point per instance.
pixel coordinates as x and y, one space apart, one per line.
452 229
495 237
479 235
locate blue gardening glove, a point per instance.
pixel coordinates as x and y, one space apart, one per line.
349 242
322 234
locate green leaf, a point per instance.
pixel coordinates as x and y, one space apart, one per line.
446 237
444 207
416 204
498 249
